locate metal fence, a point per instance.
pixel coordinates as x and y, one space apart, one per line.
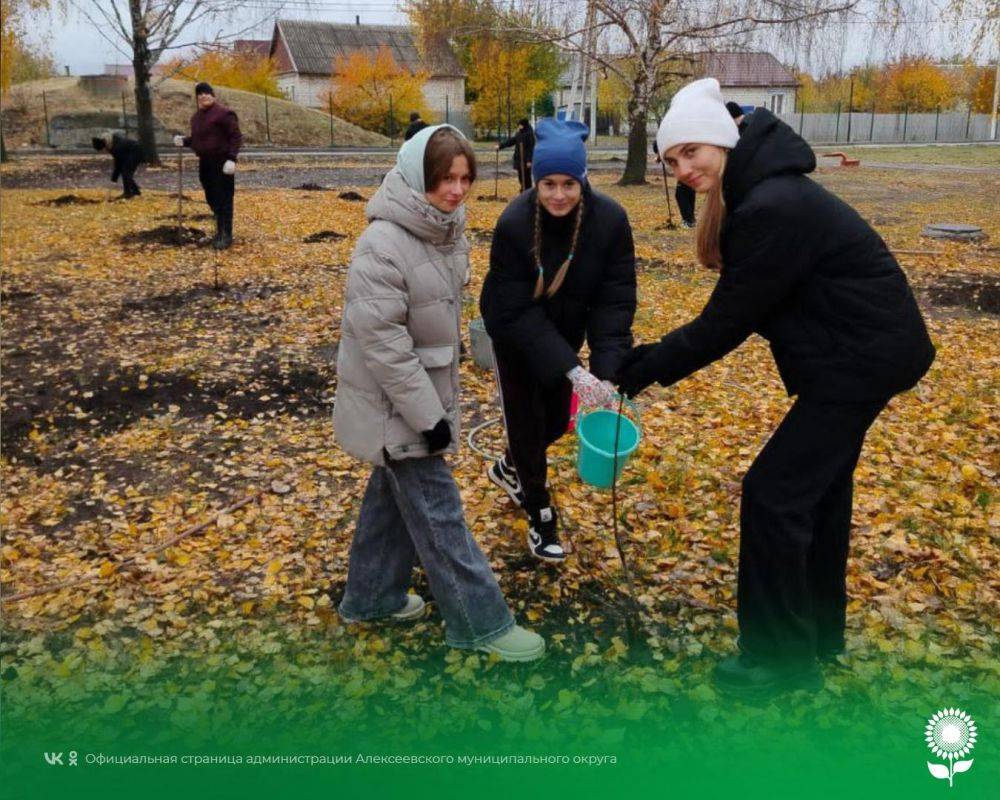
858 127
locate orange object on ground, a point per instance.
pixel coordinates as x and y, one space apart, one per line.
844 160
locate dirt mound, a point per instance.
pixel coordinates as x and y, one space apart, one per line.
324 236
13 295
172 301
165 234
488 198
351 196
188 217
967 290
313 187
67 200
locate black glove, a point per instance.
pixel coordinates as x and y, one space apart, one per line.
636 370
438 437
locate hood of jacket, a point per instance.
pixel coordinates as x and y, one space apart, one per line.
396 202
767 147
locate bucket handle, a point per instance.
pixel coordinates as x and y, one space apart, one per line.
582 409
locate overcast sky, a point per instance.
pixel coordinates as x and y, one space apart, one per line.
75 43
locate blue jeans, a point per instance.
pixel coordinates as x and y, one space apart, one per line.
412 509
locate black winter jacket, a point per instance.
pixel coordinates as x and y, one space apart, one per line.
524 140
596 300
413 129
805 271
127 155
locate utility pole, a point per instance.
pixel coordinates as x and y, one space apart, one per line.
592 139
850 110
996 96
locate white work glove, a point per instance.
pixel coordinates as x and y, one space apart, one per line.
178 141
229 168
593 393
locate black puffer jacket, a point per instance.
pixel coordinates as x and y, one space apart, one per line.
596 300
127 155
806 272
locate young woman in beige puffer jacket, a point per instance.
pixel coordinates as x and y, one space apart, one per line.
397 404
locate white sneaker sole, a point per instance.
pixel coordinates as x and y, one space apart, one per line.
397 617
503 485
546 559
506 655
415 613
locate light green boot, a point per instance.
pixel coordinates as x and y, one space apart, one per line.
517 644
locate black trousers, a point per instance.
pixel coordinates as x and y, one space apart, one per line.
535 416
795 521
130 187
219 191
684 195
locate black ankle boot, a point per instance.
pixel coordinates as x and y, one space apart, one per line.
218 241
227 231
743 673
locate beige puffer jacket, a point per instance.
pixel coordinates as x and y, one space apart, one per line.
397 366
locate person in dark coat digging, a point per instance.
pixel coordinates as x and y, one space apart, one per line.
127 155
523 143
416 125
216 139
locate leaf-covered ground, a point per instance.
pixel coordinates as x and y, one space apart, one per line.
141 399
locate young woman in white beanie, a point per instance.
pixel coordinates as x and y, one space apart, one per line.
801 268
397 404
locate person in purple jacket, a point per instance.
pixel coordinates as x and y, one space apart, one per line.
216 139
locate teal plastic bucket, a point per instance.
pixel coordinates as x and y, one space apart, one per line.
596 462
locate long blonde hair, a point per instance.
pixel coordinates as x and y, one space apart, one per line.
709 232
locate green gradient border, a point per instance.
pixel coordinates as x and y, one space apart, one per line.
662 740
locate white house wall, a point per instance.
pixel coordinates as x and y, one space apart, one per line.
310 90
761 96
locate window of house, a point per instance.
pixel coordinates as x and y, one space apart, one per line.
777 103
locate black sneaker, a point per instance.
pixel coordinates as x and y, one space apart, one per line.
504 476
542 539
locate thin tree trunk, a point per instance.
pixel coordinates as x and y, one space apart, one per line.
635 164
141 64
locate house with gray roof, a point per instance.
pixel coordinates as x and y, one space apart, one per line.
752 79
306 54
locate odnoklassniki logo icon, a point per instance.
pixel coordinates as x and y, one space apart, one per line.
951 734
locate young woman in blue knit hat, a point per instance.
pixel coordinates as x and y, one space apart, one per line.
562 270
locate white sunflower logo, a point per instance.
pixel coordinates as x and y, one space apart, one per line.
951 734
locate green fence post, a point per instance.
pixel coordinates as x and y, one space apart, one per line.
45 111
329 99
267 119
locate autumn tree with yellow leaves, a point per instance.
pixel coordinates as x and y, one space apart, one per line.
245 71
916 84
375 92
505 76
503 82
18 60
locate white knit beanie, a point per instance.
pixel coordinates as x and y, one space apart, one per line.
697 114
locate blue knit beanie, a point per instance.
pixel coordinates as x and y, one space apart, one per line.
559 149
